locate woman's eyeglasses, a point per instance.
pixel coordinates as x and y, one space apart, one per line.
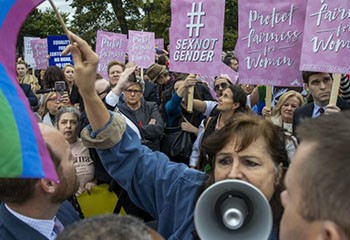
223 86
134 91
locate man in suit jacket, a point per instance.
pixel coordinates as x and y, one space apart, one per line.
33 100
37 208
320 86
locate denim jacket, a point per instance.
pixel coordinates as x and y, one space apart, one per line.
167 190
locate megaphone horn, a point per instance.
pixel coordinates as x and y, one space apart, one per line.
233 209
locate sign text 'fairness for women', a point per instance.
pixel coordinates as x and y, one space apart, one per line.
196 34
110 47
270 38
326 44
141 48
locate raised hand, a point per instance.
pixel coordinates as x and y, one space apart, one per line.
85 64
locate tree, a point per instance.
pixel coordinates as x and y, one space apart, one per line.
113 16
122 15
40 24
231 25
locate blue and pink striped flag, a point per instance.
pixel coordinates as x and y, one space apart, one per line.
22 148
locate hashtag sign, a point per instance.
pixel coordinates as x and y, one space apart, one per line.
195 15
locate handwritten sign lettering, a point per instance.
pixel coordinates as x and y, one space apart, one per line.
40 53
270 42
110 47
326 44
28 53
141 48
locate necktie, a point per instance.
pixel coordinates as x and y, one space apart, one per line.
321 111
58 227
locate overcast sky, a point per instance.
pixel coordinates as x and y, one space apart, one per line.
62 6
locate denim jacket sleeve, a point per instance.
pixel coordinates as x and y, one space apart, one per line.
152 181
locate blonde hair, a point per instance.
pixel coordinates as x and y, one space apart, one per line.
43 107
66 66
285 96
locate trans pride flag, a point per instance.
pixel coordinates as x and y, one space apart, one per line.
22 149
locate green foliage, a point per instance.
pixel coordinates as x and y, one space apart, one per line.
231 25
40 24
119 16
93 15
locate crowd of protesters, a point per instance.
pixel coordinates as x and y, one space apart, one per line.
133 142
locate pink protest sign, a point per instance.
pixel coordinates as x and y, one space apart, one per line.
270 39
110 47
326 44
196 35
40 53
159 43
141 48
225 71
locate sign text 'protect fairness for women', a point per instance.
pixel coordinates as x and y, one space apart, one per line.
110 47
270 38
141 48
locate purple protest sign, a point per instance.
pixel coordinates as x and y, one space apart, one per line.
326 44
141 48
159 43
40 53
110 47
270 39
196 35
224 71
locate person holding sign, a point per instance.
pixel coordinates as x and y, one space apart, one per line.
320 86
250 149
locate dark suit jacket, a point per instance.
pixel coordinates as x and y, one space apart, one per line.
33 100
11 228
307 110
75 97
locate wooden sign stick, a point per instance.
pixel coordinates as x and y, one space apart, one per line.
268 98
190 99
335 89
60 19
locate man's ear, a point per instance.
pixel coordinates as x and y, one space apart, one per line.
48 185
306 86
331 231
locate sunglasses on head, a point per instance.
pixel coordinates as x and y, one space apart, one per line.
223 86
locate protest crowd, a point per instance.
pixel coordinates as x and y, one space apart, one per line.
146 142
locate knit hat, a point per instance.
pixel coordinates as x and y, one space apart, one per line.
154 71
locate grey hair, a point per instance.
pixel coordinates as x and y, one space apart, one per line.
68 109
140 82
107 227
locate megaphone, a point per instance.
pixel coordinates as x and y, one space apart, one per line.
233 209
